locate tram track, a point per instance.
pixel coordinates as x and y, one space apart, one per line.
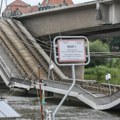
11 50
26 49
33 52
12 56
37 52
28 43
9 39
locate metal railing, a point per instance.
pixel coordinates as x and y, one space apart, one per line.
5 68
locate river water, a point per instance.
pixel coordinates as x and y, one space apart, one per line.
29 109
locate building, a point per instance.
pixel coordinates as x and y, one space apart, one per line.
18 7
50 4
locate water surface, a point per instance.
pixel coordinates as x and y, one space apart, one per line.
29 109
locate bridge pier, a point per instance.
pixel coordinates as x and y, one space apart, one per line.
79 72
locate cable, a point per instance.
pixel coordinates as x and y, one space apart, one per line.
22 83
26 36
40 41
27 27
30 40
46 48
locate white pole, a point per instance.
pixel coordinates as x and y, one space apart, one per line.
108 77
1 6
6 3
50 57
109 86
67 93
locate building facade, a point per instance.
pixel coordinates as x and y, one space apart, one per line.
50 4
18 7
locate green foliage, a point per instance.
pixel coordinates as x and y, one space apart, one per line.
105 46
114 44
98 73
114 62
98 46
99 67
102 71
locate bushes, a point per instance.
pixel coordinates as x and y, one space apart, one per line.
98 73
98 70
99 67
98 46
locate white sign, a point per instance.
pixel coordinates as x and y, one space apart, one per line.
71 50
108 76
51 66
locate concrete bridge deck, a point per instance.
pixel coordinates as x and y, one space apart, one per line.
96 18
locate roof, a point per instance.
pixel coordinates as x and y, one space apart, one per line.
56 2
25 8
28 9
18 3
21 6
6 111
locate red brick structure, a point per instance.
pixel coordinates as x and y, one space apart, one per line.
17 8
57 2
50 4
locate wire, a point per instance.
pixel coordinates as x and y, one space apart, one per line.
26 36
31 40
22 83
46 48
28 28
40 41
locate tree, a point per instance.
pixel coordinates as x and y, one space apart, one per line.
98 46
115 44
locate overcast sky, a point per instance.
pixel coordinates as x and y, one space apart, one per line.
35 2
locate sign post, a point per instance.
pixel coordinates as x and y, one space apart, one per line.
70 51
108 77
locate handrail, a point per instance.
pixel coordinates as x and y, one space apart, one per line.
13 58
5 68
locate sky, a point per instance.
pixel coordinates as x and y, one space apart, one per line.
35 2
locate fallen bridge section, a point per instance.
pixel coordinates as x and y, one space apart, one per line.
98 101
25 52
8 68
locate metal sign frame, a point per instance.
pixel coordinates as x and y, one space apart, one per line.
71 38
77 52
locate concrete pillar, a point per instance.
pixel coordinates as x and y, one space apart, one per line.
102 13
79 70
114 16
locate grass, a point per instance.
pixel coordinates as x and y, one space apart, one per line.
101 79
